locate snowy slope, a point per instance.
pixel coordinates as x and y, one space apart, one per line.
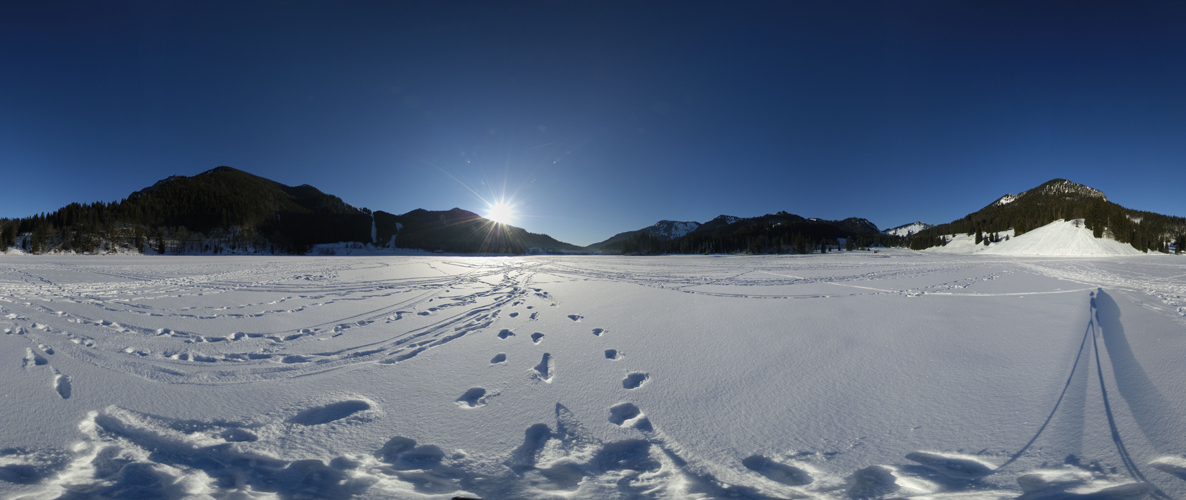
841 376
964 244
670 229
1058 188
908 229
1062 238
1058 239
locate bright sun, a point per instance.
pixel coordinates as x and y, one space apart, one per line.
500 212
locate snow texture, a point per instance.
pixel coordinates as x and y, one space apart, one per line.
850 375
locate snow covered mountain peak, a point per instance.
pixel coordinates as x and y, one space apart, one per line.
1061 188
672 229
909 229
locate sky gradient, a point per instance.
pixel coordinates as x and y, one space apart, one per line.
601 117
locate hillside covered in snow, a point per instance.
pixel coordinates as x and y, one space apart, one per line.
1057 239
908 229
1056 200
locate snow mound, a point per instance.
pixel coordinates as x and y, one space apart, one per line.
1062 238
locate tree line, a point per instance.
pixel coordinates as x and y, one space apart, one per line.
765 237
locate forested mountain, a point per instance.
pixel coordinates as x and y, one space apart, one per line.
1061 199
773 233
227 209
462 231
663 230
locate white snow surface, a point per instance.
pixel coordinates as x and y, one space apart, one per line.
841 376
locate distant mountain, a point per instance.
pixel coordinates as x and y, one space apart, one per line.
908 229
718 222
781 232
462 231
664 230
225 209
1061 199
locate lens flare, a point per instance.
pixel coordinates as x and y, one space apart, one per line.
501 213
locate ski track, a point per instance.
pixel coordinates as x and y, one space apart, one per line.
118 317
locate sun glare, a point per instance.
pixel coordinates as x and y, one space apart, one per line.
500 212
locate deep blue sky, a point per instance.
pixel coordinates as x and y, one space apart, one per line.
600 117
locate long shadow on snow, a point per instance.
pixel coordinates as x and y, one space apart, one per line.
1125 457
1147 404
1070 379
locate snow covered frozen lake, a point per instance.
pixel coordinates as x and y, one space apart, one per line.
847 375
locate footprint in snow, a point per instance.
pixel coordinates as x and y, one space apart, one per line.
957 466
777 472
626 415
575 317
598 331
537 337
474 398
635 380
33 358
613 354
498 358
546 369
873 481
505 333
62 385
330 412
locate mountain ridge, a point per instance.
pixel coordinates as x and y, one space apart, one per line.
226 209
1061 199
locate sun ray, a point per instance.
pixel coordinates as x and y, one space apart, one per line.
500 212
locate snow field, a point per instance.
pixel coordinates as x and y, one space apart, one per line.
847 375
